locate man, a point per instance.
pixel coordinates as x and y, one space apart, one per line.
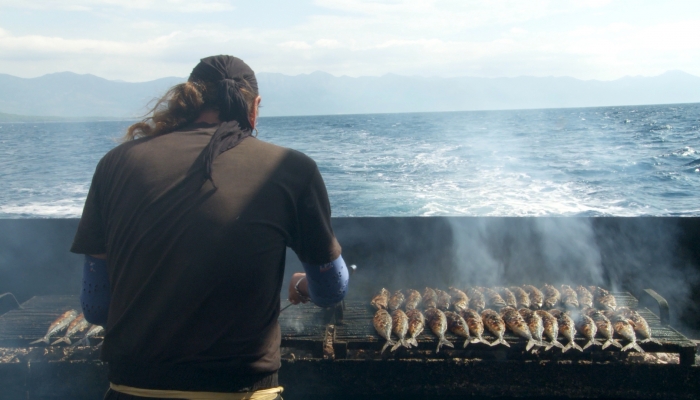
185 230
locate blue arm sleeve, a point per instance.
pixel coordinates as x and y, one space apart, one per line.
95 296
328 283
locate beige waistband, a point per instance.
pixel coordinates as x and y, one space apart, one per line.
262 394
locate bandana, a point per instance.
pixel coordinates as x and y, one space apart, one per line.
230 74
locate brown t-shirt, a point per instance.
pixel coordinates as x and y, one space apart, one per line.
196 272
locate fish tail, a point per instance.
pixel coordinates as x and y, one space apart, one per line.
444 342
607 344
616 343
80 342
484 341
577 347
396 346
63 339
530 344
500 341
413 342
45 339
387 344
589 344
466 342
636 347
650 340
567 347
633 345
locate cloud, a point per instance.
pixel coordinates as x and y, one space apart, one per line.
183 6
362 37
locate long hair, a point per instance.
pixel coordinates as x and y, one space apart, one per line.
182 105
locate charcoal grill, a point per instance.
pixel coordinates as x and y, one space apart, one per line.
335 352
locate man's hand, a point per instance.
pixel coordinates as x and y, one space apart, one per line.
298 289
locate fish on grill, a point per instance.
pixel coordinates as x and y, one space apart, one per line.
517 325
493 299
585 297
605 328
625 330
383 323
443 300
495 324
460 300
551 296
567 328
603 299
569 298
476 299
95 330
399 327
57 325
521 297
429 298
536 296
534 323
640 325
457 325
438 325
77 325
551 329
588 329
476 325
416 324
414 299
507 296
396 300
381 300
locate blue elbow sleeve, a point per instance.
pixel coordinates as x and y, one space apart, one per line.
95 296
328 283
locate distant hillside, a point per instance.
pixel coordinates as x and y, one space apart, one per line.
69 95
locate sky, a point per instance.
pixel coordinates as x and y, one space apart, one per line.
141 40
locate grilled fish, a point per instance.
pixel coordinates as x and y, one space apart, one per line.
95 330
585 297
399 327
381 300
57 325
536 297
517 325
507 296
640 325
438 325
416 324
624 329
603 299
551 329
569 298
567 328
495 324
414 299
475 324
493 299
521 297
605 328
534 323
460 300
551 296
383 323
588 329
457 325
443 300
429 298
476 299
77 325
396 300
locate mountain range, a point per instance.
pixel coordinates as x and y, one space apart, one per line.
67 95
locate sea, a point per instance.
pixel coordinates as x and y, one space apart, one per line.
607 161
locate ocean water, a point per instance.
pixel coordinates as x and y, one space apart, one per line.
608 161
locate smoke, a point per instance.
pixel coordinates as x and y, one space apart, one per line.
621 254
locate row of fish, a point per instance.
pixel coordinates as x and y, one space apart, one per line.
74 324
479 298
541 328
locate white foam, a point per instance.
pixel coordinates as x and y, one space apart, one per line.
68 208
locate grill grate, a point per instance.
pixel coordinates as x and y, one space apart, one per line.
306 327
